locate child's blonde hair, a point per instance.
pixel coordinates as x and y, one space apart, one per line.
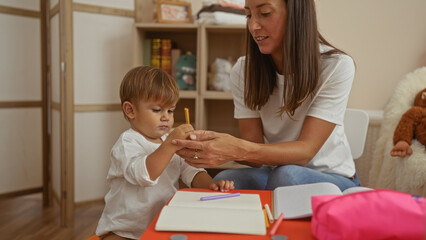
148 83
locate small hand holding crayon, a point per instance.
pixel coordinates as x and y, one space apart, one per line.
222 185
181 132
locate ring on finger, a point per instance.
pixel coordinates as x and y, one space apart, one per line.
195 154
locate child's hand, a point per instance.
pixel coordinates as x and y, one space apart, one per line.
222 185
181 132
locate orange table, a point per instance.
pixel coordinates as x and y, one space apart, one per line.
293 229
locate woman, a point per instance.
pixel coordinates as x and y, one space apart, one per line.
290 94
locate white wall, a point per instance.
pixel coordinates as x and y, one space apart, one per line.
20 57
95 134
386 38
20 145
122 4
20 80
22 4
102 55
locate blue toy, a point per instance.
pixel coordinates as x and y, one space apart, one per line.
186 67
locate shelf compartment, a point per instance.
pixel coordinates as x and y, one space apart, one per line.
217 95
179 113
219 41
185 94
183 36
218 115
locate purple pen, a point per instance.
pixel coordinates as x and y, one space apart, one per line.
220 196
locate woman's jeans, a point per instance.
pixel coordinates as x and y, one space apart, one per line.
270 177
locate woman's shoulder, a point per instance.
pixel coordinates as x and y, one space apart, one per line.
337 62
237 69
240 62
337 57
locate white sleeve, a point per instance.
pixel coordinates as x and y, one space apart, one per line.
237 81
188 172
332 97
130 159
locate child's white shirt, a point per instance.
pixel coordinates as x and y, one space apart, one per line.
134 199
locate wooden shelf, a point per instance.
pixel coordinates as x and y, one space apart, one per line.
217 95
188 94
211 110
225 27
164 27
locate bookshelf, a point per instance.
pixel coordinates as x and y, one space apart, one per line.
212 110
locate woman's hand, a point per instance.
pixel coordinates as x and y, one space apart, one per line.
222 185
208 149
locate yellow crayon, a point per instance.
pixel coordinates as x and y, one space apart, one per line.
266 219
187 116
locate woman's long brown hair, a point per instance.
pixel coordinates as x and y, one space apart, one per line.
301 59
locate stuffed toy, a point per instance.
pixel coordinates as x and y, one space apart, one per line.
186 70
220 70
412 125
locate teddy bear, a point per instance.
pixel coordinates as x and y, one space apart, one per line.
186 70
412 125
220 70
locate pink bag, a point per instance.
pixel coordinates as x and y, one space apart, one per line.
377 214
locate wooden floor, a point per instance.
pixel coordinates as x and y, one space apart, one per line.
25 218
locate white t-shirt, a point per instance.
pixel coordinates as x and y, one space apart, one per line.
134 199
328 103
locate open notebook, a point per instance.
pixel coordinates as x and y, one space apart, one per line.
185 212
295 201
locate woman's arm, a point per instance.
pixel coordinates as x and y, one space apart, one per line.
251 129
312 137
218 148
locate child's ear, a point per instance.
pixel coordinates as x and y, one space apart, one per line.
129 109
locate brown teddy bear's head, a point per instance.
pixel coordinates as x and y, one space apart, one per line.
421 99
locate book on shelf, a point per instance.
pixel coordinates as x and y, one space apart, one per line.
295 201
166 52
186 212
156 53
160 51
146 51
